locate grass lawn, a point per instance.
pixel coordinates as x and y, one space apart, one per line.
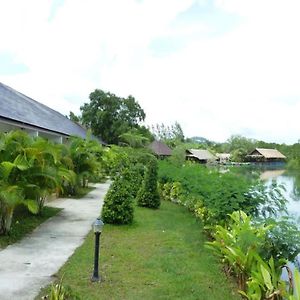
24 222
161 256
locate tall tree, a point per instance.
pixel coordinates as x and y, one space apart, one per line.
172 135
109 116
73 117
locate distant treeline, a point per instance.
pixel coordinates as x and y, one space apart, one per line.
240 146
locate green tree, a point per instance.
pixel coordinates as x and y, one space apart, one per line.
236 142
110 116
148 195
172 135
178 156
134 138
73 117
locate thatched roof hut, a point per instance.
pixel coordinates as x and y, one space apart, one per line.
160 149
265 155
200 155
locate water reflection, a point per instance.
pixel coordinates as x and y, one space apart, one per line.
291 182
271 174
292 188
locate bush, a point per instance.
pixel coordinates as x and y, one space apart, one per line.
148 195
134 177
118 203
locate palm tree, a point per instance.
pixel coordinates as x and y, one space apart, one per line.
86 156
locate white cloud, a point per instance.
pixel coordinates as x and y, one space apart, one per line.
214 85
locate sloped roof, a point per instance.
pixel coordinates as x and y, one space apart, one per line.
17 107
160 148
267 153
202 154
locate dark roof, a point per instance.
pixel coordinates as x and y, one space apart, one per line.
18 107
160 148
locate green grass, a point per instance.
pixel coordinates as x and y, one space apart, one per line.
160 256
24 222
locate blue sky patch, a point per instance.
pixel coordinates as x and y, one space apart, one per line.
9 67
206 20
56 4
218 20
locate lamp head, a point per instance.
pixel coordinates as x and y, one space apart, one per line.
98 225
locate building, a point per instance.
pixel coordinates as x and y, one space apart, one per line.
18 111
200 155
265 155
223 158
160 149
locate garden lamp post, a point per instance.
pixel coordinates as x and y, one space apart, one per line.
97 227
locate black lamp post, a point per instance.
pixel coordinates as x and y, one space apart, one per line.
97 227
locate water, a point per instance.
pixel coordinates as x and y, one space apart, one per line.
291 182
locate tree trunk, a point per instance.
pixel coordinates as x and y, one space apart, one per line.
41 202
6 219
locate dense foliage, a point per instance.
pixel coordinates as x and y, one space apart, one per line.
33 168
118 202
254 246
240 246
221 194
172 135
134 172
148 195
110 116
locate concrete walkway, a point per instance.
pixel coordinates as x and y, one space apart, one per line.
27 266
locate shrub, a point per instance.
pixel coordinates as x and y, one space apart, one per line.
148 195
134 177
118 203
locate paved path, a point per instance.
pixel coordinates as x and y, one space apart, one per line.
28 265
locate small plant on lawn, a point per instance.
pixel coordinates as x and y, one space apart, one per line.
148 195
57 292
118 203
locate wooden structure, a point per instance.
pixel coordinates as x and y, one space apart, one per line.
160 149
265 155
223 158
200 155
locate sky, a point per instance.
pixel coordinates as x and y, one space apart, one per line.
218 67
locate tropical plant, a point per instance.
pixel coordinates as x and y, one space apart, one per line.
33 168
12 185
239 245
85 155
264 282
295 293
134 138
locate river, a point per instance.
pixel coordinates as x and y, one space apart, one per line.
291 182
